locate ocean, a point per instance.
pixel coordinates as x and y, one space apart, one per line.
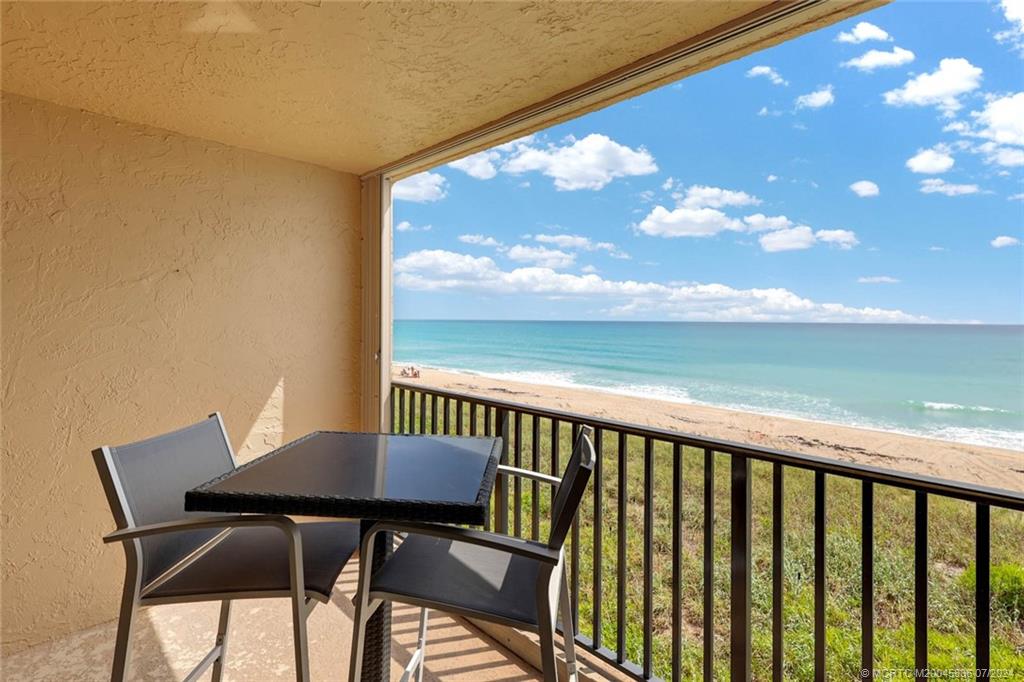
962 383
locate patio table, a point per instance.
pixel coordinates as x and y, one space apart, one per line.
366 476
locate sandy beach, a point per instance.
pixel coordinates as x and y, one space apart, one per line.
993 467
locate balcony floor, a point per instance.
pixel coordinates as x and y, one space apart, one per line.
171 639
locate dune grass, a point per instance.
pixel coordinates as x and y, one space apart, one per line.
951 557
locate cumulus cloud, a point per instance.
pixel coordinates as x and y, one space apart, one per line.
862 33
864 188
406 226
1001 156
802 237
667 185
791 239
941 88
771 177
580 243
759 222
1002 120
767 72
541 256
843 239
421 188
479 240
1016 197
480 165
940 186
704 196
877 279
817 99
880 59
931 161
437 270
687 222
1002 241
590 163
765 111
1013 10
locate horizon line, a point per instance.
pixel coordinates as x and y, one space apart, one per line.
793 322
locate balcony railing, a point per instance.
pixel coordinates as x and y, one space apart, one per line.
645 501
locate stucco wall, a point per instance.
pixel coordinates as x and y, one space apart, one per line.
148 279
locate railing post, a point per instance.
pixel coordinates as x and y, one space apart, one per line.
501 484
740 590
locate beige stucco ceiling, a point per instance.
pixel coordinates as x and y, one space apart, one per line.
352 86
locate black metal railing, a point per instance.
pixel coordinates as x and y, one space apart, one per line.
420 409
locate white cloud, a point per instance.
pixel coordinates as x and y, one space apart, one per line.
479 240
590 163
1002 156
843 239
703 196
1016 197
862 33
792 239
771 178
767 72
480 165
878 279
936 248
1002 241
667 185
759 222
940 186
880 59
1013 10
421 188
935 160
941 88
802 237
864 188
581 243
588 269
1002 120
437 270
406 226
687 222
817 99
541 256
765 111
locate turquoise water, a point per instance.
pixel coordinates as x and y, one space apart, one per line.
958 383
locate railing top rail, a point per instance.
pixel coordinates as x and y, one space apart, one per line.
917 482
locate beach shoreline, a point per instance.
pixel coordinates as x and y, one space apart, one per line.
975 464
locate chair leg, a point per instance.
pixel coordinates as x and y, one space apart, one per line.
222 640
422 644
546 630
568 629
125 628
299 635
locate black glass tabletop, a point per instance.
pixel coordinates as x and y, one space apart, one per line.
362 475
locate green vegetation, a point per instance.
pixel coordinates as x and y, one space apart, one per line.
951 572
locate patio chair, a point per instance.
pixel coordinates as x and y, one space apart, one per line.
172 556
481 575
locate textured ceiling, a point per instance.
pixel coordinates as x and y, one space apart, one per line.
351 86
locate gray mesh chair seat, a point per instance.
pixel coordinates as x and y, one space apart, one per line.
175 556
480 574
251 561
461 577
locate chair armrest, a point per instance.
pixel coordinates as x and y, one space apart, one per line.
495 541
287 526
553 481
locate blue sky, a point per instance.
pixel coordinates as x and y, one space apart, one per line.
871 171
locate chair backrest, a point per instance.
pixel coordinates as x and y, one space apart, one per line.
570 491
145 483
